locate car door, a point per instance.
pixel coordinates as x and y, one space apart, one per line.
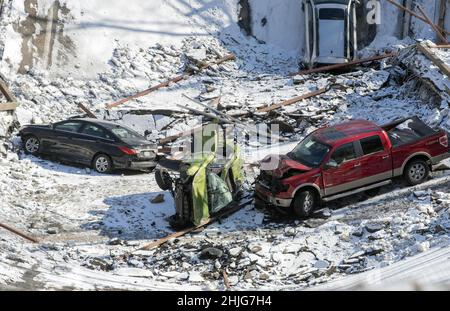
376 162
342 172
62 139
89 141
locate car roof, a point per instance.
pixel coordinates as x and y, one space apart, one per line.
96 121
340 133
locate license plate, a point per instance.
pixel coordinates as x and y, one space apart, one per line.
146 154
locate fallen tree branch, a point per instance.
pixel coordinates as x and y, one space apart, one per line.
415 15
434 26
293 100
19 233
340 66
170 81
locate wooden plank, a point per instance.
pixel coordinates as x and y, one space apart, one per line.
8 106
226 280
435 59
435 28
86 110
442 11
19 233
441 46
341 66
213 219
415 14
6 92
293 100
170 81
407 19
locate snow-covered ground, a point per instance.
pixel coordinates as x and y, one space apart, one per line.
90 225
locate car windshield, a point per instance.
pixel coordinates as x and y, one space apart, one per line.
309 152
124 132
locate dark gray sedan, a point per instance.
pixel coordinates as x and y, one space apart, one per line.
102 145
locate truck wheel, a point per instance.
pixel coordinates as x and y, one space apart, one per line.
416 172
163 180
304 203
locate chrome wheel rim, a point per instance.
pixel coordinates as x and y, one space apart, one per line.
102 164
417 172
32 145
308 202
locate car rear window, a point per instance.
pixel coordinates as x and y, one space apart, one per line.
333 14
68 126
344 153
371 145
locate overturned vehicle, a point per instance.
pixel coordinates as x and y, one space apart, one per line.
204 179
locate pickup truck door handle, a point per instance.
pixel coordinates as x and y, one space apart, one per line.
357 165
385 157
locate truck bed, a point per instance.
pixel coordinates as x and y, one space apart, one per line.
408 131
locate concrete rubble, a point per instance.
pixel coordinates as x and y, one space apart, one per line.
90 224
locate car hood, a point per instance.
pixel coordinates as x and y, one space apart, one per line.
277 166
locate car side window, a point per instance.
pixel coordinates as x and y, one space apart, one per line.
371 145
344 153
68 126
95 131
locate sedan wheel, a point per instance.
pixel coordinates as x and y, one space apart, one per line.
32 145
102 164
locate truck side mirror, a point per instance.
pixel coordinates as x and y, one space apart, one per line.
332 164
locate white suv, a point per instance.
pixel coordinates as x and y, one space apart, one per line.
330 27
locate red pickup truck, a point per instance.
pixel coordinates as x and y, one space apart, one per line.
348 158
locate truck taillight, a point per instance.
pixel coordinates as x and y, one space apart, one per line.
128 151
444 141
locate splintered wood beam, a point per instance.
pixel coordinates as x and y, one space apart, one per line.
344 65
8 106
442 13
292 100
19 233
415 15
220 215
435 28
7 92
87 111
435 59
170 81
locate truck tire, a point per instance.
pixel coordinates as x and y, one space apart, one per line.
416 172
304 203
163 180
